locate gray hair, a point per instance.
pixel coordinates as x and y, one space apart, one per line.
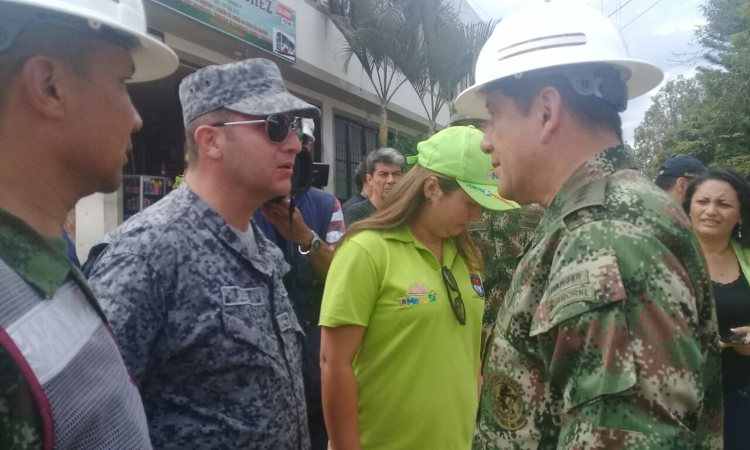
384 155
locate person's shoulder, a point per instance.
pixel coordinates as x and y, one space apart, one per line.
161 225
360 206
628 198
367 239
357 212
354 200
316 192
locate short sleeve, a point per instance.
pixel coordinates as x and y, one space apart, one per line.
352 287
132 298
336 227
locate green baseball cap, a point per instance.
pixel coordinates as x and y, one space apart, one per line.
456 153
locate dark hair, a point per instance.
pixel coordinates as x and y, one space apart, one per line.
592 112
215 116
665 182
360 175
741 188
68 46
383 155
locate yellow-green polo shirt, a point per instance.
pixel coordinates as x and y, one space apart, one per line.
417 367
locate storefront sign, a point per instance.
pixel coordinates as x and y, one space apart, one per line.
267 24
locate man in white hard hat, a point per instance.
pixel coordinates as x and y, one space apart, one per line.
607 337
65 125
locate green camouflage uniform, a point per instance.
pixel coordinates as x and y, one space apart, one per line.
607 338
20 422
44 263
501 237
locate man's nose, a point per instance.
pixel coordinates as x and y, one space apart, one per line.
292 143
486 143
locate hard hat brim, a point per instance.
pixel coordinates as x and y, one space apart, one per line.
644 77
153 60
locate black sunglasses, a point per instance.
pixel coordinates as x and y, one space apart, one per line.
278 126
457 304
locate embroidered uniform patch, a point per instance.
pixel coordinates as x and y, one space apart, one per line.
236 296
476 283
573 294
285 322
507 402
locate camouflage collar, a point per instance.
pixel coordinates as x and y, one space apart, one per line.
267 251
40 261
597 167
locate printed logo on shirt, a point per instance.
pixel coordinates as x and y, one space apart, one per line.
417 295
476 283
491 175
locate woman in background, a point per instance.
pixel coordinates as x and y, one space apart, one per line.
718 204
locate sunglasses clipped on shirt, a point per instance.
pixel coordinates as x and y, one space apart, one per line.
278 126
457 304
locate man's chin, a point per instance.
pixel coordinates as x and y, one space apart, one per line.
505 192
281 190
110 185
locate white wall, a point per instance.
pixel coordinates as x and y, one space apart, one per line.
96 215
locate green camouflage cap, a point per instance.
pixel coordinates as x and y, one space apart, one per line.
253 87
456 153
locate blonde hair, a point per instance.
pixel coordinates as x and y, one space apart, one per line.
403 204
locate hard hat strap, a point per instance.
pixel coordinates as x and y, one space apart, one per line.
603 81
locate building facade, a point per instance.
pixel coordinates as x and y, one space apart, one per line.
306 45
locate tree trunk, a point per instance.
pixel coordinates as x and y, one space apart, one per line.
432 129
383 126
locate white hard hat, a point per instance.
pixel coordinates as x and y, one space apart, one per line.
152 58
547 35
308 128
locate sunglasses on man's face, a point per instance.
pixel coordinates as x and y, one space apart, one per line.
278 126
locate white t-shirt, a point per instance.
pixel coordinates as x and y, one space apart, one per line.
247 238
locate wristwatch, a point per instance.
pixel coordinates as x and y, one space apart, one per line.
315 245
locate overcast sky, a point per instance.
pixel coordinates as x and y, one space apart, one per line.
663 31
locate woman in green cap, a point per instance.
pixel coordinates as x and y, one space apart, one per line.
402 310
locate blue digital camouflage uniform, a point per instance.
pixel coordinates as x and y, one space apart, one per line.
607 338
206 328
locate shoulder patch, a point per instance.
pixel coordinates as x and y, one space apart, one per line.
589 195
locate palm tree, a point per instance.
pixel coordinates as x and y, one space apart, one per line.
374 33
447 52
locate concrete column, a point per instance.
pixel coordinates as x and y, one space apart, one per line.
329 142
96 215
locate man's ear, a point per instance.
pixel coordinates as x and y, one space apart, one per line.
549 105
46 86
681 185
369 179
209 141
